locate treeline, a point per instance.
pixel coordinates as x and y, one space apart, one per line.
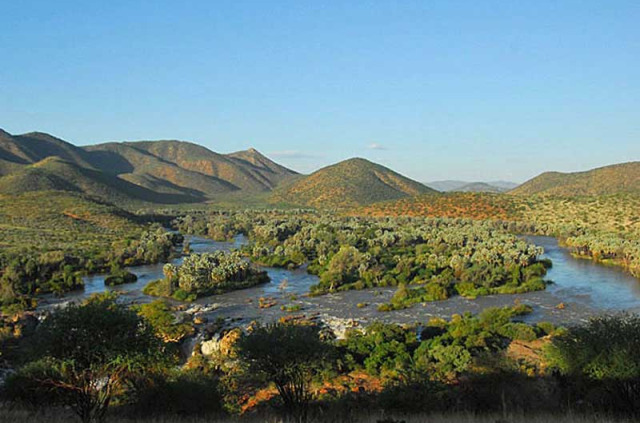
102 356
49 240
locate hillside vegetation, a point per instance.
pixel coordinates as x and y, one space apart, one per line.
49 221
49 239
614 179
352 182
54 173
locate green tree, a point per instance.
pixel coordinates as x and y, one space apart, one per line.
287 355
87 352
604 350
345 267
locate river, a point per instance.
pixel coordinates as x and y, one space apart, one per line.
583 287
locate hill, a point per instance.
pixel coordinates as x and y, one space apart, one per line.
353 182
192 166
129 162
166 172
54 173
17 151
271 172
614 179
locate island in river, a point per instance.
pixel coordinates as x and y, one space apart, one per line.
579 290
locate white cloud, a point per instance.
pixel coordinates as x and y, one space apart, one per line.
376 146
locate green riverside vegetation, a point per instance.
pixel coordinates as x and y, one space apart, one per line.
436 257
50 240
201 275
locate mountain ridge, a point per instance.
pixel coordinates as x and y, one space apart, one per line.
605 180
452 185
157 171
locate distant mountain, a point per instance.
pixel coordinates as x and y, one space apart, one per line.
479 187
446 185
270 172
506 185
349 183
464 186
143 164
614 179
153 171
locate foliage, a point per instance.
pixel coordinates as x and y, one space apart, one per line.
119 276
178 393
605 350
443 350
50 240
605 227
287 355
84 354
206 274
437 257
158 314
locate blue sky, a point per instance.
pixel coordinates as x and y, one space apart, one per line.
475 90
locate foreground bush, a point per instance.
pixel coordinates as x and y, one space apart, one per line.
83 356
600 360
288 356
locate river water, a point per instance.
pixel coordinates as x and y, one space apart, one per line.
583 287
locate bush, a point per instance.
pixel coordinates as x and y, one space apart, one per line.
85 354
287 355
605 352
120 278
183 393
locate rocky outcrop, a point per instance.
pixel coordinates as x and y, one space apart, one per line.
339 326
221 343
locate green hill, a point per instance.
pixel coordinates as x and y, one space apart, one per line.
54 173
353 182
614 179
17 151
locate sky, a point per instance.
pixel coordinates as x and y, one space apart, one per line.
471 90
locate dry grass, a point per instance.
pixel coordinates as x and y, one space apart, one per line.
57 416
